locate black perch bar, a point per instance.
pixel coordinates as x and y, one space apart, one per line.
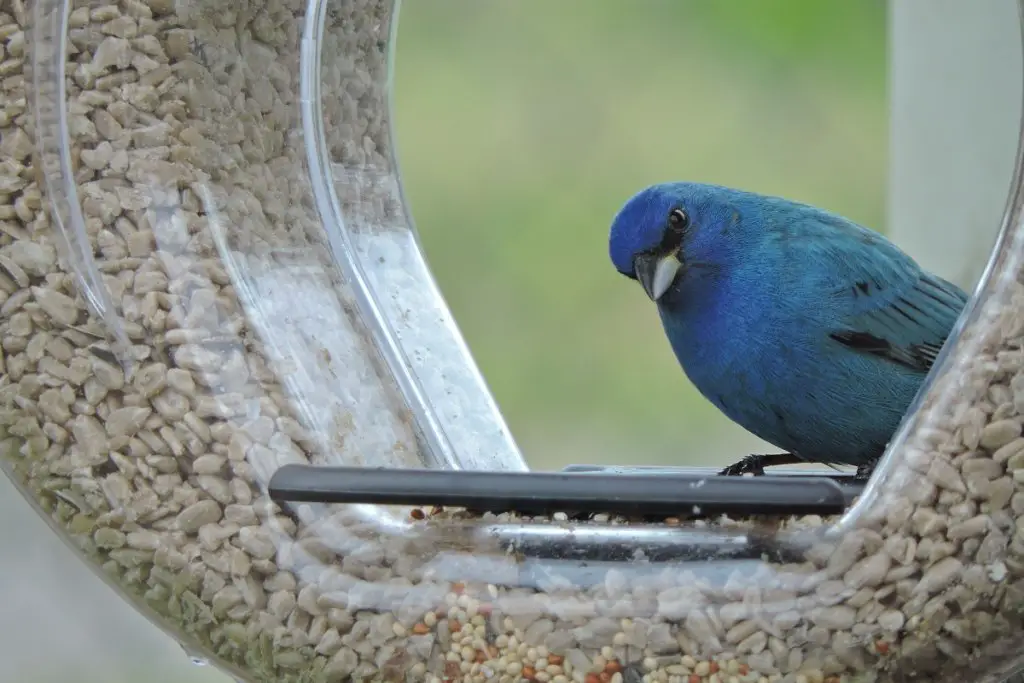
580 490
584 553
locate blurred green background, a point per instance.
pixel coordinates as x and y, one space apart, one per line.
522 126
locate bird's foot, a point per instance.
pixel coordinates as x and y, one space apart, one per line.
865 470
755 464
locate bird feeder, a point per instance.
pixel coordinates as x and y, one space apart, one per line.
231 384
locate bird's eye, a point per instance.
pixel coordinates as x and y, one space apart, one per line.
678 219
675 232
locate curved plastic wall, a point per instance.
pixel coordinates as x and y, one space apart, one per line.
207 272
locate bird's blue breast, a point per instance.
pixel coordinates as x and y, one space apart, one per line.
755 343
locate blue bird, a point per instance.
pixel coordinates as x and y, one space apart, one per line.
803 327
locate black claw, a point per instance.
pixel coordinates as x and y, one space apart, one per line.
749 464
865 470
752 464
755 464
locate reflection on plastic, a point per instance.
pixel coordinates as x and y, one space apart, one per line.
207 273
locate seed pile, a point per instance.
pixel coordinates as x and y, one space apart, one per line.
190 164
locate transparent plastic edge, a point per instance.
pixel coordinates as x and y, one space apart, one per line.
438 447
512 458
48 59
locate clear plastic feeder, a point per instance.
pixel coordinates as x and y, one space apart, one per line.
229 381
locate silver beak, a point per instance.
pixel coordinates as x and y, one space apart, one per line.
657 273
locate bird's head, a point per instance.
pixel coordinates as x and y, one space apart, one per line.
665 229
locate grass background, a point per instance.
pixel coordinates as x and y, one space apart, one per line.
522 126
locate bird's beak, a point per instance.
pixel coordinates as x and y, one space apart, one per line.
657 273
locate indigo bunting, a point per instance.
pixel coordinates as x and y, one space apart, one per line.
803 327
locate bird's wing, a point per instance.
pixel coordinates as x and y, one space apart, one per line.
887 305
911 327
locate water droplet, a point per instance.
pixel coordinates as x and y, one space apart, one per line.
196 659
